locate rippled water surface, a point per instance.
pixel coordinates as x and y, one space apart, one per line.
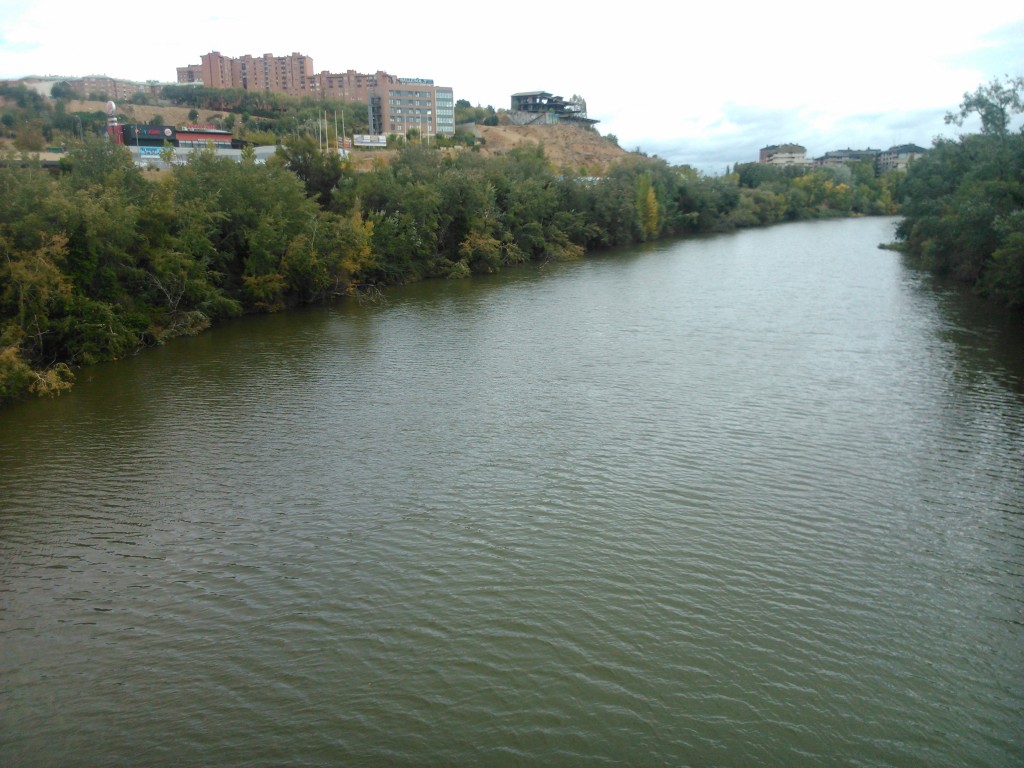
752 499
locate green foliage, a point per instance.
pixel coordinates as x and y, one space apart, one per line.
787 193
324 261
18 378
24 98
1004 277
320 171
35 122
35 292
98 260
260 138
964 208
647 208
63 90
278 113
30 137
259 103
481 252
98 162
994 104
464 113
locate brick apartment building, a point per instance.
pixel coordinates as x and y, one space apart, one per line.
292 74
394 104
109 87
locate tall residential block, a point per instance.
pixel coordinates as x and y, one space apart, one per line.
394 104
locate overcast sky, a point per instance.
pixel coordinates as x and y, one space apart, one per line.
705 84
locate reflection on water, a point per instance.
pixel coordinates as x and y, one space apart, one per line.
753 499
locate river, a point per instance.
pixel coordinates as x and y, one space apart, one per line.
752 499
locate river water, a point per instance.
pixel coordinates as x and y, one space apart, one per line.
750 499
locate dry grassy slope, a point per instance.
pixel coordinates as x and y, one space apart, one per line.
143 114
566 146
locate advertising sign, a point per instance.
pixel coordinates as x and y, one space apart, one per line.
149 133
369 140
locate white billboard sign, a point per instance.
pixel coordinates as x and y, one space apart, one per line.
369 140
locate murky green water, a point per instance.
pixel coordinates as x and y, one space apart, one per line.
754 499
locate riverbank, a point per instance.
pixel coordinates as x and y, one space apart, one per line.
106 261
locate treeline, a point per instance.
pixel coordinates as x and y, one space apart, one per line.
467 113
964 214
277 113
100 260
32 122
791 193
254 102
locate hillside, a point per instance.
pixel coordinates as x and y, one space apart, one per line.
143 113
566 146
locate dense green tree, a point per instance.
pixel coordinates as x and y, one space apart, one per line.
465 113
964 199
99 259
995 105
324 261
320 171
34 293
63 90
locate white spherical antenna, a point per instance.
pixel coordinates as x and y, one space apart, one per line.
111 109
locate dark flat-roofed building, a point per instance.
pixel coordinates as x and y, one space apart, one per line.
533 107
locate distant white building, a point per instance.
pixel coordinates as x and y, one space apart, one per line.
899 158
783 154
839 157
